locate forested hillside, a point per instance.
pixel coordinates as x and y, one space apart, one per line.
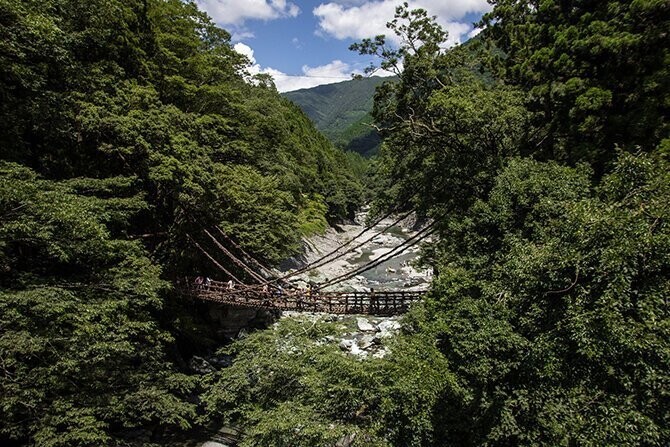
125 128
548 321
128 126
342 112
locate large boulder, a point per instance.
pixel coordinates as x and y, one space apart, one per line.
364 325
200 366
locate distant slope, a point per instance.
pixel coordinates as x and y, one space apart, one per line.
342 111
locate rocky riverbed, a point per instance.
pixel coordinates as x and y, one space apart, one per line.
363 337
360 336
398 273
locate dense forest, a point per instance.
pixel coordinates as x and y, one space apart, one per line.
542 153
125 127
341 111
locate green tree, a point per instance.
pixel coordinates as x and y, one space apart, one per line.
83 358
596 73
446 128
550 308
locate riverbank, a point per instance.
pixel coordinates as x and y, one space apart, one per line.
398 273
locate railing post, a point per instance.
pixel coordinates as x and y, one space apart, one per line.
372 301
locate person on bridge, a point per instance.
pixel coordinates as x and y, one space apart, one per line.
279 291
208 282
231 285
374 303
198 282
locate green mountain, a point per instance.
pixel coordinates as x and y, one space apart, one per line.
342 112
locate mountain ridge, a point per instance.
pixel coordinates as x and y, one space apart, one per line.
342 112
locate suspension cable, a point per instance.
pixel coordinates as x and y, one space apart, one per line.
241 264
314 264
214 261
244 252
417 238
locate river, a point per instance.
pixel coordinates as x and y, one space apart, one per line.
397 273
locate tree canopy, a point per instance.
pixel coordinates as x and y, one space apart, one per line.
596 73
541 151
127 127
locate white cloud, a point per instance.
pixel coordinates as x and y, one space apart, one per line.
236 12
296 43
242 34
356 22
474 32
352 19
452 9
335 71
246 50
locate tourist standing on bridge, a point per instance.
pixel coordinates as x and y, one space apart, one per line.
231 285
374 304
208 282
198 282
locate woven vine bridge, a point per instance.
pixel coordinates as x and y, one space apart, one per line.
382 303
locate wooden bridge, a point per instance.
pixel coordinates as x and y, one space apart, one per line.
312 300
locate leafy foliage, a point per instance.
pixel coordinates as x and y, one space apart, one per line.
287 386
82 353
551 308
294 385
446 127
125 127
596 72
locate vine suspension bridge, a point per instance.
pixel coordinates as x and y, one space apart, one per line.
271 291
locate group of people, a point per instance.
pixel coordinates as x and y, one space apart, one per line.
277 290
202 282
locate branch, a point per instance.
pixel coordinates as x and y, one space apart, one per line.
567 289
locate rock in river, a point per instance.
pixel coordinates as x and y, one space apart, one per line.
364 325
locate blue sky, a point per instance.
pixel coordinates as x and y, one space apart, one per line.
304 43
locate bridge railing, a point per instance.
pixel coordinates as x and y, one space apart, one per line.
374 302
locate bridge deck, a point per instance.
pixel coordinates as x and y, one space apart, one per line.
372 303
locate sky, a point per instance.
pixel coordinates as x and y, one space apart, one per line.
304 43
